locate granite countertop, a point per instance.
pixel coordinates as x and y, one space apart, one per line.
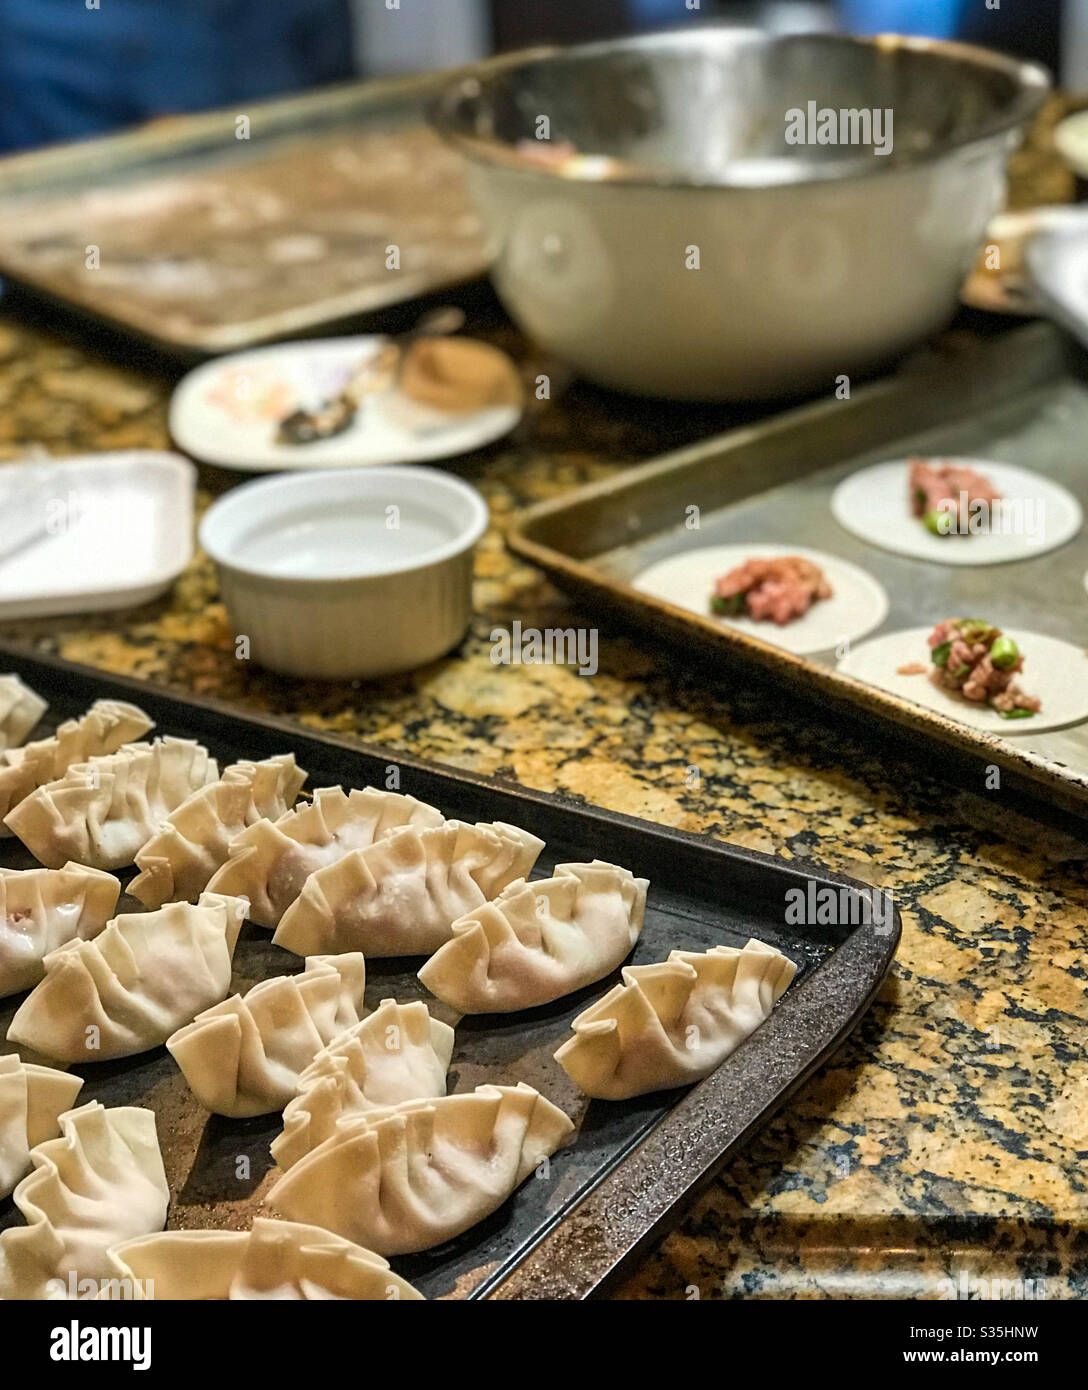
948 1138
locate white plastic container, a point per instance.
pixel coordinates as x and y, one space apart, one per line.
347 573
94 532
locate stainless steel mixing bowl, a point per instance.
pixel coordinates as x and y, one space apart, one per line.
667 236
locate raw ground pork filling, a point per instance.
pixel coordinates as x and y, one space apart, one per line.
936 489
778 590
974 658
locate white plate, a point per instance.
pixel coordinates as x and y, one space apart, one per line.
873 504
227 411
102 531
1056 671
857 605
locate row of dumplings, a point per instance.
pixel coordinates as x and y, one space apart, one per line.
372 1149
96 1203
416 1174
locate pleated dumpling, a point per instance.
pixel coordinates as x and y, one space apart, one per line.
400 896
20 710
102 730
671 1023
41 909
100 1183
415 1175
101 811
177 863
132 986
537 941
398 1053
32 1099
244 1056
270 861
278 1260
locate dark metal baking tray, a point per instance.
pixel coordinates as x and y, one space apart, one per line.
631 1166
1021 398
201 277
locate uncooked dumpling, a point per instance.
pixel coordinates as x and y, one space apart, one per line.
671 1023
101 811
177 863
243 1057
400 896
100 1183
132 986
20 710
278 1260
32 1099
415 1175
537 941
398 1053
270 862
103 729
41 909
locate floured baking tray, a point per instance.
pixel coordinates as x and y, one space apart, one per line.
213 232
1021 399
630 1166
93 532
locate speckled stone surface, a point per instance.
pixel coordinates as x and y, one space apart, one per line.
947 1142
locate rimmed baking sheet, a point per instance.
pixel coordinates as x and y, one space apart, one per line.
632 1166
213 232
1021 398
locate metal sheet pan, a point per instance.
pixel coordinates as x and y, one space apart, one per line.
208 243
631 1167
1022 398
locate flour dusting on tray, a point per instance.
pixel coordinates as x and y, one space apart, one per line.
272 239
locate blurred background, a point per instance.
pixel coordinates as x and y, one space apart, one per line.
73 68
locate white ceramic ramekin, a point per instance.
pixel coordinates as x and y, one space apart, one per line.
347 573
